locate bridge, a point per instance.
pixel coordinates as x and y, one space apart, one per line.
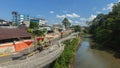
40 59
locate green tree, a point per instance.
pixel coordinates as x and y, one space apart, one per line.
66 23
77 28
34 25
106 28
38 32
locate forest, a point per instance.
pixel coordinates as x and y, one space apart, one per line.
105 29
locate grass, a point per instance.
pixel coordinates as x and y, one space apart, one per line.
67 56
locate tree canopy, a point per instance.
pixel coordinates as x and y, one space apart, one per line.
77 28
66 22
34 25
38 32
34 29
106 28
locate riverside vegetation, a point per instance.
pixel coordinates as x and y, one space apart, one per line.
105 29
67 57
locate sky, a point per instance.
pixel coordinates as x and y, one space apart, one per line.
54 11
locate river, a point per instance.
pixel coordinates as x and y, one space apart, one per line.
93 58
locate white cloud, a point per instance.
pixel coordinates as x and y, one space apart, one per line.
83 19
109 7
98 12
69 15
60 16
92 17
52 12
70 20
77 22
80 23
73 15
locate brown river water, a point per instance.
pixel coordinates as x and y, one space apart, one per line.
92 58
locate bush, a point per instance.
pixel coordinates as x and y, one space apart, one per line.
30 30
103 35
67 55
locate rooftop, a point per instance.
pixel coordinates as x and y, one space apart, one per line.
8 33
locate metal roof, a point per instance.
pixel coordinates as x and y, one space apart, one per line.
8 33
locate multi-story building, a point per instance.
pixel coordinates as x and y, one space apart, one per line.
38 20
20 18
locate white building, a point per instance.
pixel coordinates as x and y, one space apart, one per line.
42 21
38 20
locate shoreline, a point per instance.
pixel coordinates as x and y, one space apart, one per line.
97 46
71 46
75 51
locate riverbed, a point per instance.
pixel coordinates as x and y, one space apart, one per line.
93 58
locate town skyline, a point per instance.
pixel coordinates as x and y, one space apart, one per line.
78 12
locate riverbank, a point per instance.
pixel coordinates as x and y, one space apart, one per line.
67 57
87 57
101 47
75 50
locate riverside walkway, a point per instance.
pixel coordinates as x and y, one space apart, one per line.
40 59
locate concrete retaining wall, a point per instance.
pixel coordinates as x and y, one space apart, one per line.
38 61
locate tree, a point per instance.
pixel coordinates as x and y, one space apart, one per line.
106 28
66 22
77 28
34 25
38 32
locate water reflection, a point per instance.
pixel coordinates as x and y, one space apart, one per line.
90 58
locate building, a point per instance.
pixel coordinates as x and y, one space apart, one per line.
58 27
15 17
4 23
45 26
26 23
19 18
23 17
38 20
14 40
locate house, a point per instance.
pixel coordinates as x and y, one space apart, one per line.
3 23
14 40
45 26
58 28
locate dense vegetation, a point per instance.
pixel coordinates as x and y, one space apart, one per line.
35 31
77 28
34 25
106 28
68 54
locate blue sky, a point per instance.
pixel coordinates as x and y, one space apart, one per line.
77 11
